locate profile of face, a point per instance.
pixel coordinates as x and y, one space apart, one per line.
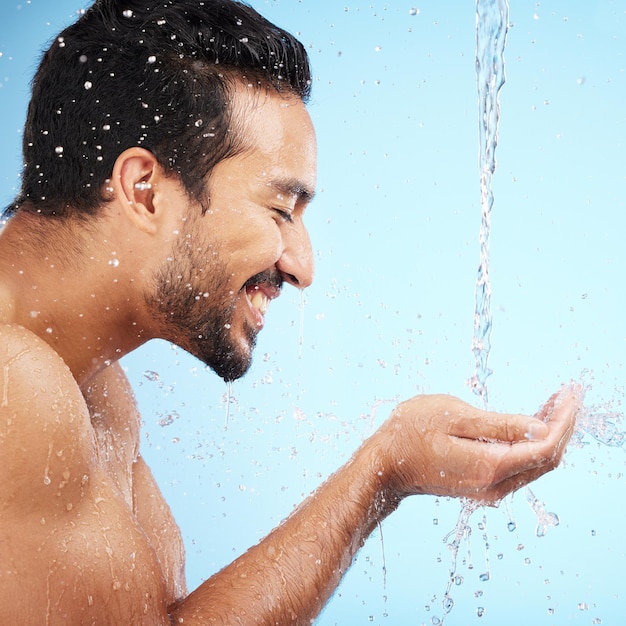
225 265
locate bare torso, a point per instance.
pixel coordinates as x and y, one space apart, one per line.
85 534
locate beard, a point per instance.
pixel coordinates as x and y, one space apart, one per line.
196 307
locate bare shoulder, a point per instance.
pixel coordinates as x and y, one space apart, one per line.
44 424
72 551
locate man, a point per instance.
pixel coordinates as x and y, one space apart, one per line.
169 159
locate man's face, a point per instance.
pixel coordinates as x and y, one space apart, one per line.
227 264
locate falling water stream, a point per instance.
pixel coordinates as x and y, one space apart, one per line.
492 22
492 18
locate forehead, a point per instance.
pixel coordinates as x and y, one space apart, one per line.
277 135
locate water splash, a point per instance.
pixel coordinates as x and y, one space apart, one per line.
545 519
492 23
603 423
462 531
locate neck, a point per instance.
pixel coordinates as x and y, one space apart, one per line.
67 287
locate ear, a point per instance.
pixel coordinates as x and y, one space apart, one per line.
135 175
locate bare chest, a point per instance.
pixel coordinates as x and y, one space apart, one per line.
148 511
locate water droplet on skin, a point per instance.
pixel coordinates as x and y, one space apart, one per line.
59 150
151 59
88 84
114 262
49 330
127 13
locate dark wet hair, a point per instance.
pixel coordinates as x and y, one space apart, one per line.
152 73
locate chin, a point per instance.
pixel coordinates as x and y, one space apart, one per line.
230 362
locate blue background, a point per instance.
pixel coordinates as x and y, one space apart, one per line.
395 234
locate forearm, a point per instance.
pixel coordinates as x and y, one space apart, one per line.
289 576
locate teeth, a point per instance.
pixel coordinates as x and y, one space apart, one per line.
259 301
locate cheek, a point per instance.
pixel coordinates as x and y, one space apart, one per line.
260 247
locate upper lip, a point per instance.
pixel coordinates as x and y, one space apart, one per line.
269 283
261 289
269 291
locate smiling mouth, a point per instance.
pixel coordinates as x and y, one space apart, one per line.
258 300
259 296
260 290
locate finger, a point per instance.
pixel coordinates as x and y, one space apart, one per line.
527 461
473 423
569 397
502 468
513 483
489 426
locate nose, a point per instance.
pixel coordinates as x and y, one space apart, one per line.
296 264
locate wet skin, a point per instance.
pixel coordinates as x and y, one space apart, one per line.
86 535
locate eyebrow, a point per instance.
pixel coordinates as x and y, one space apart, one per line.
293 187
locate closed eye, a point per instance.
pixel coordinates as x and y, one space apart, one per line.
284 215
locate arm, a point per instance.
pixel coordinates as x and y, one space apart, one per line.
430 444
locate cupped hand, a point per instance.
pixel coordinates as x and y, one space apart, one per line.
441 445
